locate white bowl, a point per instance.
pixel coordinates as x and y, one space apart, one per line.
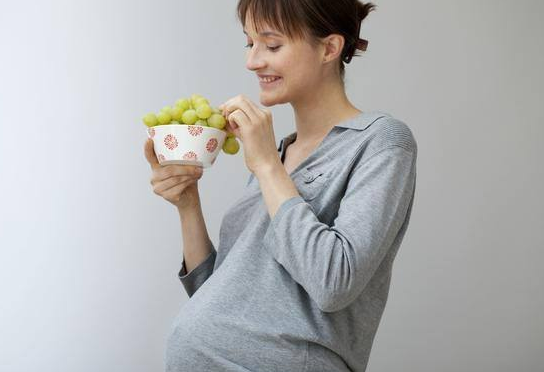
186 144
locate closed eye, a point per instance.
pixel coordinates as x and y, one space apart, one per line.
273 49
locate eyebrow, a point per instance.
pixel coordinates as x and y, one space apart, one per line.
267 33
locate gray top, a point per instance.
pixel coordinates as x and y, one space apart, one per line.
305 291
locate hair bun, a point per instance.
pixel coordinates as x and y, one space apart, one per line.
362 44
359 44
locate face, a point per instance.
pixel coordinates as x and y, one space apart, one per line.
295 65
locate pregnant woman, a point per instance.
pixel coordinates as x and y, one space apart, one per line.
301 274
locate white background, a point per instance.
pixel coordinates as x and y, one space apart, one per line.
90 255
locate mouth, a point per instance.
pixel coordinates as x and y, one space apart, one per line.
269 81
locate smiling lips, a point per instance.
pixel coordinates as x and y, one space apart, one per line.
268 79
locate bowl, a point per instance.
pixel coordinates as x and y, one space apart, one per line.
186 144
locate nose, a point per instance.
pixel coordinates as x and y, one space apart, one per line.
254 61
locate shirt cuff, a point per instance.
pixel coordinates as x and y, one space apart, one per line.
284 207
193 280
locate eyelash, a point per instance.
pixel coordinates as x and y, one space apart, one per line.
272 49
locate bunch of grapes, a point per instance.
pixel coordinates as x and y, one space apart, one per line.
194 111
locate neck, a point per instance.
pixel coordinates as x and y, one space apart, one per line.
319 111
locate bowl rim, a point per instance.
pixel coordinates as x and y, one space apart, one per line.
186 125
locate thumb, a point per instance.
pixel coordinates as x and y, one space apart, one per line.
150 154
232 129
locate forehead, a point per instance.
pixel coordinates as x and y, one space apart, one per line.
266 33
265 28
268 25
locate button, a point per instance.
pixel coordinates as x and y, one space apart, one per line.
309 177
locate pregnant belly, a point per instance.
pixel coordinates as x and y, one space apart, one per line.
228 343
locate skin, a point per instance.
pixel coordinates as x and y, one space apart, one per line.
176 183
310 83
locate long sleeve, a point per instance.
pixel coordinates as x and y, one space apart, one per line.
193 280
334 263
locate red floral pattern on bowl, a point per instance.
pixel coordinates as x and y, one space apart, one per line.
170 141
191 155
195 130
211 145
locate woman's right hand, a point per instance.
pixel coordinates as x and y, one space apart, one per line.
176 183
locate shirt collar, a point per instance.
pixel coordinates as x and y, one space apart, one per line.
363 120
359 122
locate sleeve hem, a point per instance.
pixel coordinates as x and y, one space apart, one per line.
284 207
183 273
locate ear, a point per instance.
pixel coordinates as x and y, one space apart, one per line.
333 46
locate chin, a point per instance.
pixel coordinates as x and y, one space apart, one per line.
269 100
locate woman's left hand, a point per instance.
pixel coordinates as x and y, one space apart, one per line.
253 126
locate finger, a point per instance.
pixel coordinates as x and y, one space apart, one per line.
223 109
228 106
250 108
231 129
174 170
241 103
150 154
239 118
167 184
176 190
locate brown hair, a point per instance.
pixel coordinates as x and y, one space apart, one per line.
312 19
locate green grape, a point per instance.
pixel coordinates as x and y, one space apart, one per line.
183 103
150 120
215 110
164 117
189 117
202 122
194 98
167 109
201 101
217 121
204 111
231 146
176 113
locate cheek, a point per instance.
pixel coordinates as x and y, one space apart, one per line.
286 64
294 68
303 73
301 66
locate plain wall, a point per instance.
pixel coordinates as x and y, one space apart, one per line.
90 255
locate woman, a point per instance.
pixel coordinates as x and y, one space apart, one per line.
301 275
